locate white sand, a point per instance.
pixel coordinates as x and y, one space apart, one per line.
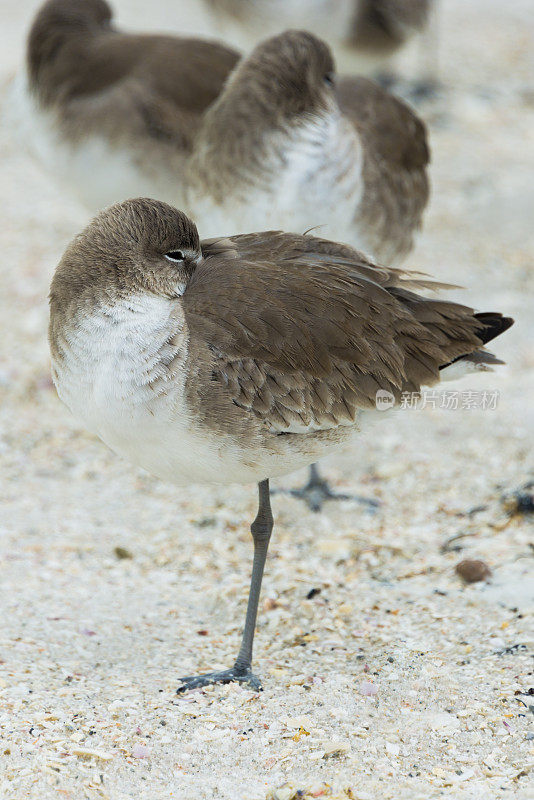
91 646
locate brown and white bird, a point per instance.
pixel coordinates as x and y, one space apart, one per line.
364 34
239 359
287 144
271 140
114 115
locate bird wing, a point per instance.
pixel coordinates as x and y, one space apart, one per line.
395 159
157 86
303 332
392 129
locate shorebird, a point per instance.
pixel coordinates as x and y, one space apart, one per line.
271 140
114 115
364 34
240 359
287 144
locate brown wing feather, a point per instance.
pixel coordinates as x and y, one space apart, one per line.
395 160
303 332
395 132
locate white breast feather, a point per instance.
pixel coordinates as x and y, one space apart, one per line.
313 177
115 377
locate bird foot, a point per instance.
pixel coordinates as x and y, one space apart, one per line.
317 491
233 675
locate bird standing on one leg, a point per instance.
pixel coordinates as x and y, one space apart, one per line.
241 359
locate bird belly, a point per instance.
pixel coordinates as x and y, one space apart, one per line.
133 396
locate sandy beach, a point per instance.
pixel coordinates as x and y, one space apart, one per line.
385 676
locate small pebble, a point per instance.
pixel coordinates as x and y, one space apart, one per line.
122 552
473 570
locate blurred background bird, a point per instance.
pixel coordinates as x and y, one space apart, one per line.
272 140
367 36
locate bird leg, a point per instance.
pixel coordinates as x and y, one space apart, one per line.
317 490
241 672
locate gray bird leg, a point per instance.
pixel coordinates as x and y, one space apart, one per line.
317 491
241 672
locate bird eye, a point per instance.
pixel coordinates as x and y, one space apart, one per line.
329 78
175 255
